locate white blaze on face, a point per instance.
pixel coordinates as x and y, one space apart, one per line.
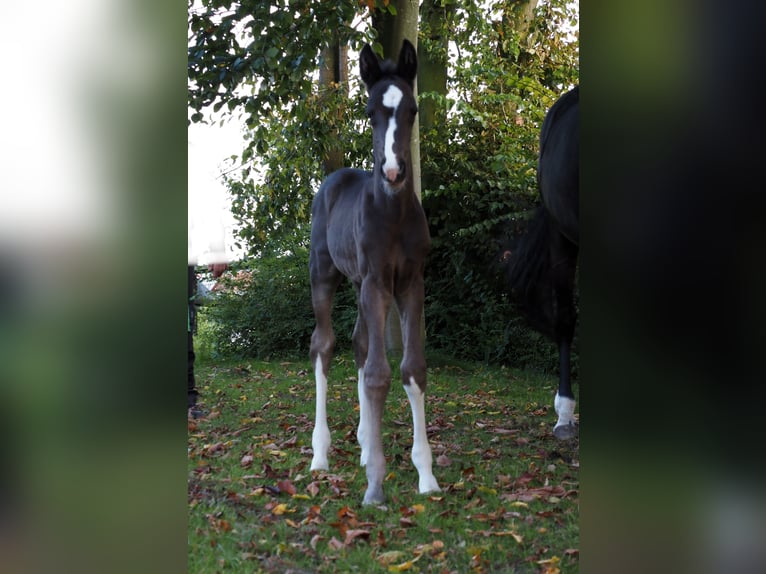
391 99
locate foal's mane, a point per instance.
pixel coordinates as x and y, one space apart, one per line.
388 73
387 69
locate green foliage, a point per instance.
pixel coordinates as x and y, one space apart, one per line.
272 201
265 310
256 56
480 161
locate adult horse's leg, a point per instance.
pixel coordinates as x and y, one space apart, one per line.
565 402
413 369
374 302
323 286
564 257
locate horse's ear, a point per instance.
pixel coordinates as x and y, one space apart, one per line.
407 67
369 66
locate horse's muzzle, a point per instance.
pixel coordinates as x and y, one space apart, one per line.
395 176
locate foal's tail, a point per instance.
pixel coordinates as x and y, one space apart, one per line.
528 273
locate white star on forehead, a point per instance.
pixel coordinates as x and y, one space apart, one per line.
392 97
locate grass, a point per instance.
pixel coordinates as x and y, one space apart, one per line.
510 491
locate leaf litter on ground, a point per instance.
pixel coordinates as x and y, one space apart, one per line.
503 477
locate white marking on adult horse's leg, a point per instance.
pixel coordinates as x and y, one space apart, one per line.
391 99
320 439
421 450
363 432
565 427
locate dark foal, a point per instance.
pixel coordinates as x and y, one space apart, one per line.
542 268
371 228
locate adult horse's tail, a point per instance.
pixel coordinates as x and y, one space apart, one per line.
529 273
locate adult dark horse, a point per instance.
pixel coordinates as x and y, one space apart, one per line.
370 227
542 267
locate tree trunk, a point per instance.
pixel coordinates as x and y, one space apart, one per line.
432 57
518 16
432 67
333 79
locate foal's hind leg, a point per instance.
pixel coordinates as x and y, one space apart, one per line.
413 369
322 345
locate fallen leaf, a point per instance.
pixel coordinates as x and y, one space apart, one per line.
410 510
352 535
390 557
286 486
443 460
314 540
279 509
404 565
517 537
335 544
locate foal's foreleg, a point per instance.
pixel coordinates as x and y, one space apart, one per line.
413 369
360 343
376 380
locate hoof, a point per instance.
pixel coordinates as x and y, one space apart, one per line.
565 432
428 486
373 497
319 464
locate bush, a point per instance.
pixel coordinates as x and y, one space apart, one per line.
469 315
264 310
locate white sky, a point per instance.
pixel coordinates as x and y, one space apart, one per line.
209 146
